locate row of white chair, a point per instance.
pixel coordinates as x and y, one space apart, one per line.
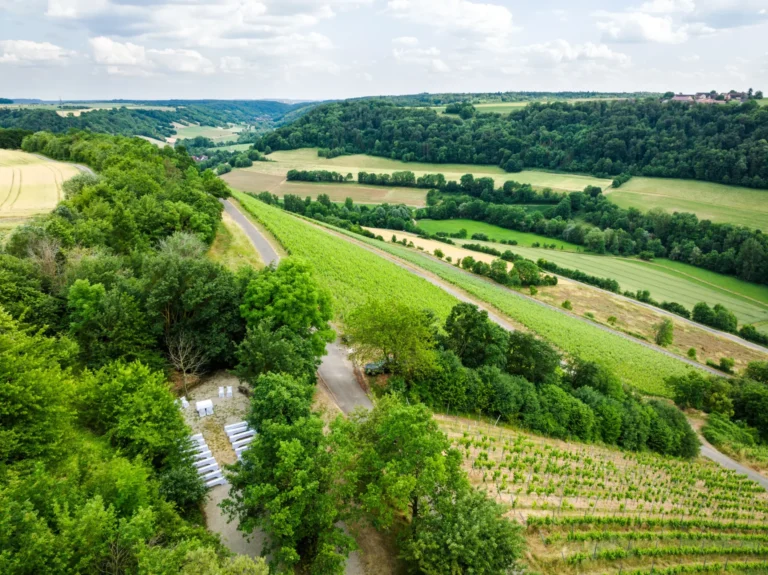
240 436
204 462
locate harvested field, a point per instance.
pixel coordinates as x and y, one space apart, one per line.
307 159
30 185
246 180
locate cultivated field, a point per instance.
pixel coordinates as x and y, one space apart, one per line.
30 185
232 148
666 280
307 159
594 510
352 274
255 182
627 316
507 107
216 134
716 202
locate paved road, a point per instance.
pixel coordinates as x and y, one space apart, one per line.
338 374
724 461
268 254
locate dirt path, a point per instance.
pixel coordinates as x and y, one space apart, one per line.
268 254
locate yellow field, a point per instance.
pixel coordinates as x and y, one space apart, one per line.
30 185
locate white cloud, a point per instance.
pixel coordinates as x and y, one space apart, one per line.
560 52
126 58
25 52
439 66
236 65
73 9
642 27
426 57
405 41
455 15
668 6
689 58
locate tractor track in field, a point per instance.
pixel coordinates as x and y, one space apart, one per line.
10 188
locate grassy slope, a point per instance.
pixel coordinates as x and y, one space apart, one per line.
232 248
307 159
352 274
494 232
666 280
710 201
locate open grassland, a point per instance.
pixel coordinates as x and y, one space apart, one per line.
232 148
616 312
216 134
666 280
493 232
30 185
588 509
709 201
307 159
232 248
639 366
255 182
352 274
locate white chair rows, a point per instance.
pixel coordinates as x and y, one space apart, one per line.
204 462
240 436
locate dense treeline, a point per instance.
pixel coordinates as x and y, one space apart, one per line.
726 144
317 176
474 366
11 138
97 474
492 97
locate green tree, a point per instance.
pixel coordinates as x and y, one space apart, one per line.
292 297
394 332
466 533
473 337
665 333
532 358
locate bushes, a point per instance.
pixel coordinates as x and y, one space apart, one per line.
315 176
481 248
675 308
749 333
621 179
603 283
718 317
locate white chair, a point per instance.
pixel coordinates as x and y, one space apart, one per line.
229 391
184 403
207 468
213 475
203 462
221 392
237 430
242 442
227 428
196 437
217 481
202 455
242 435
204 407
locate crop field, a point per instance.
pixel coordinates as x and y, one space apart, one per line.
588 509
307 159
352 274
639 366
30 185
249 181
493 232
232 148
666 280
629 317
214 133
709 201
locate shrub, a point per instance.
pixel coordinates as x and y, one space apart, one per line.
665 333
567 305
439 253
692 352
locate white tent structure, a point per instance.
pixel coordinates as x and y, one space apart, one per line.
204 407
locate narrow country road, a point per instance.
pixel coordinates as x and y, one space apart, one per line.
266 251
338 373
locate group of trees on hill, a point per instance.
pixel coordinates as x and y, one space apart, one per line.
96 473
475 366
726 144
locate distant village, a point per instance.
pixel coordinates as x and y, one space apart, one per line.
714 97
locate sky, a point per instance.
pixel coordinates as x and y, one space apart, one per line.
326 49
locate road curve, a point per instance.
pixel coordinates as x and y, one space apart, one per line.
724 461
268 254
338 374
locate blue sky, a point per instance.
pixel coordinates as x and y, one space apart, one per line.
304 49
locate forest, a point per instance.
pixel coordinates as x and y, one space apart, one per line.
725 144
155 123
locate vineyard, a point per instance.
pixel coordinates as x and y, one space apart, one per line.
589 509
351 273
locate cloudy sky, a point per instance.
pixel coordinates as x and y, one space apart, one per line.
318 49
